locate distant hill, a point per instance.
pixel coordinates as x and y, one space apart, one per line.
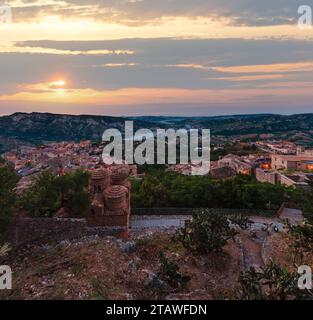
36 128
254 124
297 128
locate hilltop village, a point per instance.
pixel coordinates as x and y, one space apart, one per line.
146 251
276 162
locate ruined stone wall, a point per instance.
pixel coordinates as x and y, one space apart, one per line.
37 231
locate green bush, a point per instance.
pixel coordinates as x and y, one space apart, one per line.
168 189
271 283
303 240
169 272
49 193
208 231
150 193
303 235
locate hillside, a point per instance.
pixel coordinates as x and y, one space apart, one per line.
36 128
243 124
257 124
108 268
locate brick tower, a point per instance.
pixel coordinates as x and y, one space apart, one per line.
111 198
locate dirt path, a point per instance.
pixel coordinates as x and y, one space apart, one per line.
252 249
293 215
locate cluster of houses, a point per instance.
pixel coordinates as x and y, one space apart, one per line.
275 162
59 158
278 163
295 170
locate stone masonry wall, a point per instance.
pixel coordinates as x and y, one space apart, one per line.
35 231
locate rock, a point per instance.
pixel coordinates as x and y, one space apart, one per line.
154 282
46 247
65 243
132 265
127 296
127 247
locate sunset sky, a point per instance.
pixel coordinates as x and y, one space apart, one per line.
153 57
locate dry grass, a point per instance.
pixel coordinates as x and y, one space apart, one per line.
101 270
280 249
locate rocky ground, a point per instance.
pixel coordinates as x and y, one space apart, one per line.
109 268
106 267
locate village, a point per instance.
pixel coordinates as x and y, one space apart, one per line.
134 237
275 162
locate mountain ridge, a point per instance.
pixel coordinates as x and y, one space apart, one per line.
38 128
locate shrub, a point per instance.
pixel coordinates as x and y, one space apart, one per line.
303 240
208 231
303 235
169 272
271 283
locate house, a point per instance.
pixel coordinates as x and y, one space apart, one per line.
263 175
238 164
289 162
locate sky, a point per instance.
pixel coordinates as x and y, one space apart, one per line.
148 57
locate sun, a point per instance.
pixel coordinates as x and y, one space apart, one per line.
57 86
58 83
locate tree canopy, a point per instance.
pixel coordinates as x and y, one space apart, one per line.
49 193
8 181
169 189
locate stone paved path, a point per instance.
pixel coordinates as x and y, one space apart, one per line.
293 215
162 222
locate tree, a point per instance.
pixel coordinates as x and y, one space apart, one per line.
8 181
160 189
42 199
49 193
151 193
72 189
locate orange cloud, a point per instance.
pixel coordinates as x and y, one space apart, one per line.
250 78
279 67
141 96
